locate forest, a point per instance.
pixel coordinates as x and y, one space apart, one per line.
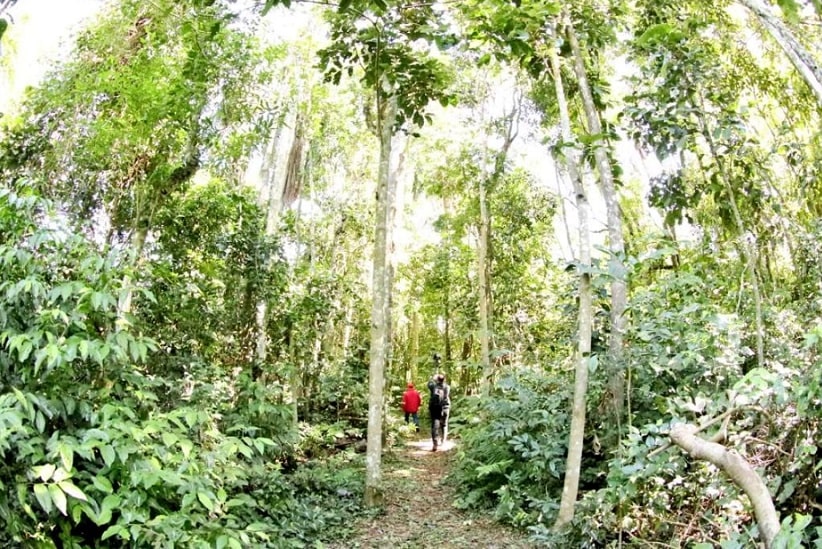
233 231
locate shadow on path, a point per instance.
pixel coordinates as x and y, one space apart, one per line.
418 510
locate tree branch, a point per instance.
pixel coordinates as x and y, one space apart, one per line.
740 471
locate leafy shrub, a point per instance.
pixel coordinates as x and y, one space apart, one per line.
512 454
90 453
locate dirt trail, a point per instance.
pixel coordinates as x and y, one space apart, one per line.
418 511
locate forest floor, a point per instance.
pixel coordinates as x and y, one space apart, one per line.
418 511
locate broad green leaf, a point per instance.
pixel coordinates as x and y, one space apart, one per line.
58 497
69 488
41 492
114 530
60 475
108 455
103 484
44 471
66 455
186 446
206 500
222 541
169 439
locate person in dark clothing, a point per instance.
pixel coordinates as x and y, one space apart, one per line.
411 401
439 404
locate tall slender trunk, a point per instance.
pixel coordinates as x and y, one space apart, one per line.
616 267
799 56
268 176
573 461
379 310
484 289
486 184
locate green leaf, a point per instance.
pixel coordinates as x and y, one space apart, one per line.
169 439
206 500
58 497
60 475
186 446
70 489
222 541
110 503
41 492
103 484
114 530
659 32
108 455
66 455
44 471
790 8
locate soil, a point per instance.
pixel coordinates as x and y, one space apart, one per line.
418 511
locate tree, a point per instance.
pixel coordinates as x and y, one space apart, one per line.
377 39
616 246
571 164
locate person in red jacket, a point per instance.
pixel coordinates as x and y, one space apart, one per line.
411 401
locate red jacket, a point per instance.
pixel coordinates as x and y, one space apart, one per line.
411 400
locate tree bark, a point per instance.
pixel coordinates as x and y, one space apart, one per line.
484 288
379 310
268 176
616 267
573 463
740 471
799 56
486 303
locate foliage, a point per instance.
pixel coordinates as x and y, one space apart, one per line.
512 454
90 447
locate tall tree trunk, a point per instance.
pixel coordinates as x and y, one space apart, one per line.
379 310
268 177
574 459
486 303
484 288
616 267
799 56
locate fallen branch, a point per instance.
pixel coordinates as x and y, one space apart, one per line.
740 471
718 436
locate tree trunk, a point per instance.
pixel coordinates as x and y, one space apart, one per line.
379 311
573 462
799 56
616 267
740 471
486 303
484 292
268 176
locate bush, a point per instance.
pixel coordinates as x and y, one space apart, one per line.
90 454
512 456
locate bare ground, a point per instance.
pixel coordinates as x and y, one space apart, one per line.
418 511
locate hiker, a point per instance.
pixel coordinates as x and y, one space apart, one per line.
411 401
439 405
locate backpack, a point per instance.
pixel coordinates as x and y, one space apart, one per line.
438 397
